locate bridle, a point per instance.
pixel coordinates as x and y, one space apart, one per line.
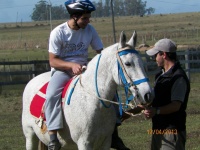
123 76
126 80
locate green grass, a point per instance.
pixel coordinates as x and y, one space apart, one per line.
16 55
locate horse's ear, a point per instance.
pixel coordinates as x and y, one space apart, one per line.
133 40
122 40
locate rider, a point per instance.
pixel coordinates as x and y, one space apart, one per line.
68 52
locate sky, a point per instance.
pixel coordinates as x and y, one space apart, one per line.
20 10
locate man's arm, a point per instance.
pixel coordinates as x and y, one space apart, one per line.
59 64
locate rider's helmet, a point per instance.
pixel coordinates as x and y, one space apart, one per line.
79 6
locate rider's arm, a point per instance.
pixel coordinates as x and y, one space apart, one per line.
59 64
99 51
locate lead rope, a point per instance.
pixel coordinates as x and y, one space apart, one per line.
103 99
116 103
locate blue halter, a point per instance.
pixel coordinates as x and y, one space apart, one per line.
127 84
121 74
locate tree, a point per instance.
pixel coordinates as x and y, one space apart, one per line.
150 10
42 10
106 8
119 8
123 8
59 12
99 8
103 9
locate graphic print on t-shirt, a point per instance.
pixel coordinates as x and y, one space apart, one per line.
70 49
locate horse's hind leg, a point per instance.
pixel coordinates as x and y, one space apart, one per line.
31 139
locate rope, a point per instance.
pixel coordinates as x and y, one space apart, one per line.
134 115
106 100
116 103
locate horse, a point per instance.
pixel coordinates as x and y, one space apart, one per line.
89 114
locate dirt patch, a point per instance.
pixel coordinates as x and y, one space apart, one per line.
193 134
193 112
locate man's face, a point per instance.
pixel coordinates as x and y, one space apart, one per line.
84 20
159 59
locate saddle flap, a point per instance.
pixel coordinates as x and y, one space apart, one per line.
37 103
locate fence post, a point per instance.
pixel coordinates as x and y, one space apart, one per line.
33 69
147 58
187 63
1 88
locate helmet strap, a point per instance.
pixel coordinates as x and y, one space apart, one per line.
75 20
76 17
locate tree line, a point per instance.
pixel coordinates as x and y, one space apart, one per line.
43 10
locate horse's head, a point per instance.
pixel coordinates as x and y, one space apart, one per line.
131 70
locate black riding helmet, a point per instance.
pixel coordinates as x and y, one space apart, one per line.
79 6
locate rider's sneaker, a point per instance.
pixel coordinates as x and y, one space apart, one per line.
118 144
54 145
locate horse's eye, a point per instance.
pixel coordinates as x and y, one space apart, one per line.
127 63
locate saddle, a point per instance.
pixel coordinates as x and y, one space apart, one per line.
38 102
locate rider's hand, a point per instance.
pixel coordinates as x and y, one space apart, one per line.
76 68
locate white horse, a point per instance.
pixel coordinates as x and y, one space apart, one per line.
89 120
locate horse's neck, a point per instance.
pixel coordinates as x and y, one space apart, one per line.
105 82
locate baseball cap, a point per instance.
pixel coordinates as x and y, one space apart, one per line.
164 45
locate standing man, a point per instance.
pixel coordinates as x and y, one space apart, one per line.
168 111
68 52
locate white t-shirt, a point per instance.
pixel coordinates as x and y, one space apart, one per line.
72 45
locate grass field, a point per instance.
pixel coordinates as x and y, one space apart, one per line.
133 131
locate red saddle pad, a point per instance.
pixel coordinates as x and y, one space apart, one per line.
37 103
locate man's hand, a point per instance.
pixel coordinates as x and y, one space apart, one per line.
133 111
149 112
76 68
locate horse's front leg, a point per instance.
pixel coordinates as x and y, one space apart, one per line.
106 144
